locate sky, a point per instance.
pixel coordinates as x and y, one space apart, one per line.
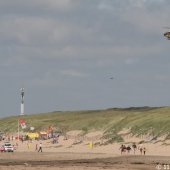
64 52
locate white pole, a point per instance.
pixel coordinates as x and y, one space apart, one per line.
18 130
22 108
22 101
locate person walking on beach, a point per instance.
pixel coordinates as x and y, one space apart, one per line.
122 149
40 147
134 147
140 148
144 150
128 149
36 147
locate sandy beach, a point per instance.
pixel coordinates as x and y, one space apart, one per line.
72 155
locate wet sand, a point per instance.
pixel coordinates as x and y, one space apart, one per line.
81 161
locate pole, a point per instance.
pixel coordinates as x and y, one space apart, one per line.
18 130
22 101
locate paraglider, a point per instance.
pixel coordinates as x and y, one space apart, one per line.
167 34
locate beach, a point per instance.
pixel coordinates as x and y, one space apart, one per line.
72 155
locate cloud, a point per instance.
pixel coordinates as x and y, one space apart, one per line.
76 34
33 31
146 15
19 7
73 73
130 61
56 43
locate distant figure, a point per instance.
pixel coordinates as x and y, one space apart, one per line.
36 147
134 148
144 150
128 149
122 149
22 140
90 145
28 145
57 138
141 149
54 140
40 147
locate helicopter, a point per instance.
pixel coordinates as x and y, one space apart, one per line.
167 34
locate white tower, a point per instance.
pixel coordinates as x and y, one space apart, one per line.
22 101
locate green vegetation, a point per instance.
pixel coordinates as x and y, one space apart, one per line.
141 120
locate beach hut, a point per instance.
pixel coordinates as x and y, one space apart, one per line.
43 135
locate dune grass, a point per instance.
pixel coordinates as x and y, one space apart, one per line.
139 120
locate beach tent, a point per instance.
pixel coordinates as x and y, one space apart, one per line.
32 135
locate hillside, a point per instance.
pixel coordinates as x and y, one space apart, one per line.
139 120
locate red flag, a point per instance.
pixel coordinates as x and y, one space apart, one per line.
22 123
50 128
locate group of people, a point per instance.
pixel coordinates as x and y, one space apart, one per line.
142 150
38 147
133 147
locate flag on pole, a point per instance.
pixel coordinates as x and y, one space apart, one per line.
50 129
22 123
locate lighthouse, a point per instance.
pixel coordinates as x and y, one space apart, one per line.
22 101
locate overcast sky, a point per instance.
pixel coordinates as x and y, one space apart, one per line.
64 52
